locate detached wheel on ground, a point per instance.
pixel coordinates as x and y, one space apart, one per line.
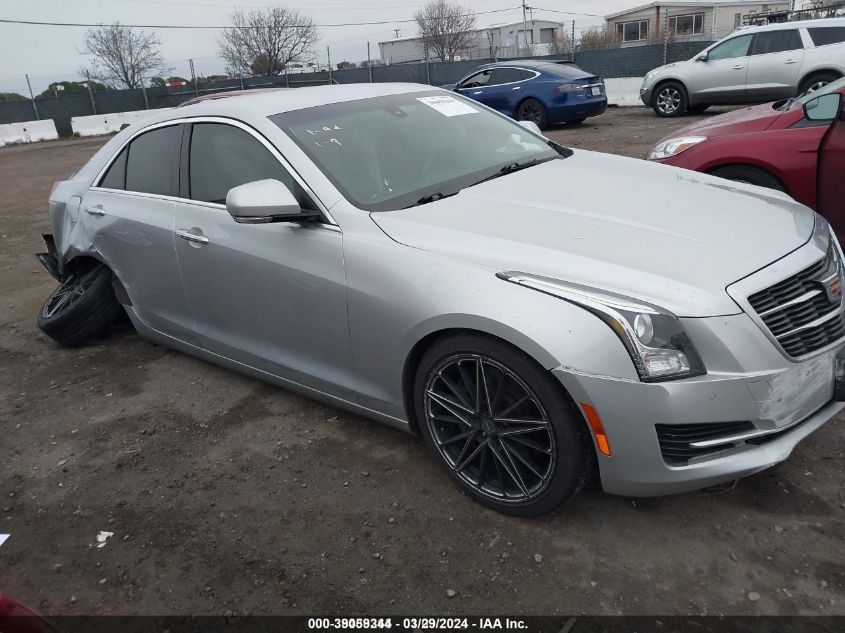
750 175
669 100
532 110
814 82
82 308
501 425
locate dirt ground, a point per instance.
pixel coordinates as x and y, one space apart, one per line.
228 495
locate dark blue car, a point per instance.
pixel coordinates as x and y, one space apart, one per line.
545 92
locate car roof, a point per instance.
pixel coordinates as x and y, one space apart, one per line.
797 24
267 103
224 94
529 63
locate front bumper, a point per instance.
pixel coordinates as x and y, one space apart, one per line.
784 402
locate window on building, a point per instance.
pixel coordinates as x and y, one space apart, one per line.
737 20
691 24
636 31
547 36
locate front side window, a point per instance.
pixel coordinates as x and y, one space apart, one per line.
734 47
391 152
691 24
632 31
823 36
152 160
477 80
776 42
223 156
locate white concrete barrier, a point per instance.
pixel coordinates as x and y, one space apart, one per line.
623 91
98 124
27 132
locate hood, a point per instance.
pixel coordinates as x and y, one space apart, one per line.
673 237
743 121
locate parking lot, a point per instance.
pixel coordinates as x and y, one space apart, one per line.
226 495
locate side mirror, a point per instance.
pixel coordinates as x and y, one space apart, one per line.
701 58
265 201
823 108
531 126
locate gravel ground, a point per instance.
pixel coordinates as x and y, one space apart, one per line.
224 494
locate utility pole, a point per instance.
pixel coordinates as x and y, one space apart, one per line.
144 90
369 64
32 97
524 27
329 60
90 92
194 78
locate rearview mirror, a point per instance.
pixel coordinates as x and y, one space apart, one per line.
530 125
823 108
265 201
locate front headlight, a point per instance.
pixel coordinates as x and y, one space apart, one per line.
674 146
654 337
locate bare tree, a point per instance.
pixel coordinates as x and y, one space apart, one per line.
122 55
597 38
561 42
445 28
264 41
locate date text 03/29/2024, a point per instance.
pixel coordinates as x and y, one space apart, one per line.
417 623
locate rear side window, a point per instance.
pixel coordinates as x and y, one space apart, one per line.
151 163
736 47
223 157
115 177
823 36
776 42
506 76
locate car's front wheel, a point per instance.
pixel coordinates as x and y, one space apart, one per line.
501 426
669 100
534 111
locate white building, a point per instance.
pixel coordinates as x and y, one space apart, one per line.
686 20
506 40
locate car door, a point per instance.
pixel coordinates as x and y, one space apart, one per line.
504 89
270 296
475 85
831 183
773 65
720 77
129 212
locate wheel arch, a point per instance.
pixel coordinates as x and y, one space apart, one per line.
669 80
516 340
753 164
818 71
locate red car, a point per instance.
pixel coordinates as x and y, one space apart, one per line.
796 146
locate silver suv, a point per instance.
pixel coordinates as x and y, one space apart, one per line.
757 64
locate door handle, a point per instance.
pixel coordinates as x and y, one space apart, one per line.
738 67
95 210
790 61
192 237
517 88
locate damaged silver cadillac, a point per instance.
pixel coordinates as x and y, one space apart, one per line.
417 258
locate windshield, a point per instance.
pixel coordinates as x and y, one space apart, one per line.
833 86
392 152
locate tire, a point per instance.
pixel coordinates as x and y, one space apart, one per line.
546 466
669 100
750 175
532 110
82 308
814 82
697 109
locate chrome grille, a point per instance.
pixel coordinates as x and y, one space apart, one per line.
804 312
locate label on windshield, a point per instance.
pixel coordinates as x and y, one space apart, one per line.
448 106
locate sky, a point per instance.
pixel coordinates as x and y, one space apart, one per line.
51 53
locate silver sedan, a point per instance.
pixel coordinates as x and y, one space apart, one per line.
413 256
